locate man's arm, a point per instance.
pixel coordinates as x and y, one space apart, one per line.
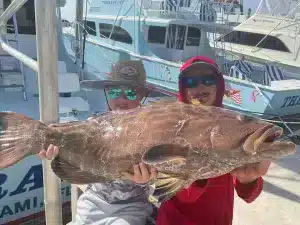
248 180
248 191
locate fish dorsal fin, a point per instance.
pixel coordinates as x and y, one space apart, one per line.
162 102
165 153
68 126
72 174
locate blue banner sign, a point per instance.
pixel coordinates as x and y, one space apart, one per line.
21 190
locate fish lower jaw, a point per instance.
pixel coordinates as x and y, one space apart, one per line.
262 137
268 137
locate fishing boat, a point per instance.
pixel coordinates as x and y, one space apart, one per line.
165 38
270 35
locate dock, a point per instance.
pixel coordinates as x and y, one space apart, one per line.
279 203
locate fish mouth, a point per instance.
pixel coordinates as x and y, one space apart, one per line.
271 134
262 138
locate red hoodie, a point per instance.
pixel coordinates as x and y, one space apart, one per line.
210 202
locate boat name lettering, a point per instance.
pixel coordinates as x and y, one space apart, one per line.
28 204
18 207
112 2
31 181
291 101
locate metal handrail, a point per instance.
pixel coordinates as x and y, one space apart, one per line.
19 55
11 10
5 16
21 65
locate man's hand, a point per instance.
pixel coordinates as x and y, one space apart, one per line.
249 173
141 174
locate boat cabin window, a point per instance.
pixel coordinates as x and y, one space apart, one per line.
176 36
156 34
117 33
252 39
193 36
91 27
25 18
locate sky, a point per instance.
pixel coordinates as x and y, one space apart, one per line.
68 12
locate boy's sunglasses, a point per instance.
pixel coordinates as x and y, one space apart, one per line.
114 93
193 82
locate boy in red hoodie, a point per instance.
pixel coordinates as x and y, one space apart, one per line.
209 202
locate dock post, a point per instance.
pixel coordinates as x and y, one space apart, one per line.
47 55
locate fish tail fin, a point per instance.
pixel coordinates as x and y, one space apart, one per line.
165 187
18 136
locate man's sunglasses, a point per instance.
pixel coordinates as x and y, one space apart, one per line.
193 82
114 93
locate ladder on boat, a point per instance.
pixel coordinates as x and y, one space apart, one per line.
12 76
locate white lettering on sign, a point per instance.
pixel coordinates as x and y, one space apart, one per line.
29 204
22 195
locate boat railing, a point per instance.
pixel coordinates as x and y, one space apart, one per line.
168 14
217 12
46 68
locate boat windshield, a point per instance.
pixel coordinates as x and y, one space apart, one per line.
283 8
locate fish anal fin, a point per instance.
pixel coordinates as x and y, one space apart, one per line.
165 187
165 153
72 174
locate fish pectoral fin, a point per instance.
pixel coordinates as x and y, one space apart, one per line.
165 187
72 174
165 153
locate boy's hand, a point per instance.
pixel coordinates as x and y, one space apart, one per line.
141 174
51 152
249 173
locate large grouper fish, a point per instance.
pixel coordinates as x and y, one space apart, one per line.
183 142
